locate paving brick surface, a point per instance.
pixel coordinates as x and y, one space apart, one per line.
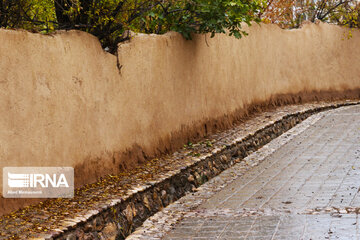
269 227
306 188
319 168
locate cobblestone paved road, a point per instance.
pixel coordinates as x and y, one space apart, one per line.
307 189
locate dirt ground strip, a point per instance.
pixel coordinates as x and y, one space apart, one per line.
113 207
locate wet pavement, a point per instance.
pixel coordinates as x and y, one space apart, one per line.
290 227
306 187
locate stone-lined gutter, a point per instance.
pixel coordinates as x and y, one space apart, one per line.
192 205
116 205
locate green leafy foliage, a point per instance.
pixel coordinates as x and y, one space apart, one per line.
200 16
32 15
110 20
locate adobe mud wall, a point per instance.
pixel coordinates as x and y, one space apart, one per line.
64 101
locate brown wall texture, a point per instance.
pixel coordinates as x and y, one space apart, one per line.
64 102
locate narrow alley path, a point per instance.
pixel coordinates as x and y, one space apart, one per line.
301 187
305 187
